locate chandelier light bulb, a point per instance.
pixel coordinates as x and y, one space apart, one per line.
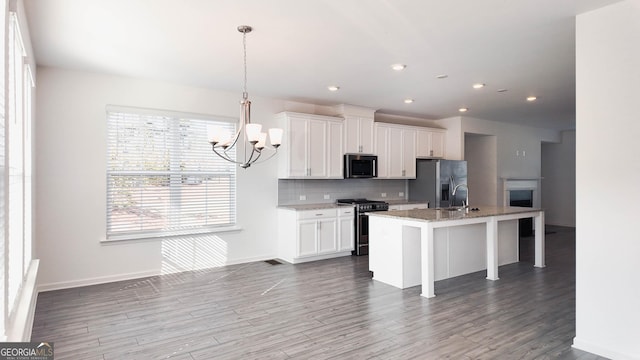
275 136
262 140
253 132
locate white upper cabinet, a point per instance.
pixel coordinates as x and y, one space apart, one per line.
396 149
317 148
409 153
295 150
335 150
358 135
312 147
430 143
382 150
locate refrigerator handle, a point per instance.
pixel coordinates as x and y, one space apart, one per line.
451 187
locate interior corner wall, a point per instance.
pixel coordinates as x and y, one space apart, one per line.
559 181
517 153
71 183
607 178
481 157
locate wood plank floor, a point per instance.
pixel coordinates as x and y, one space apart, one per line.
321 310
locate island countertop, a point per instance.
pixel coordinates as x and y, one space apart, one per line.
402 243
430 215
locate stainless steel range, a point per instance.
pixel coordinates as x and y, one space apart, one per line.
363 206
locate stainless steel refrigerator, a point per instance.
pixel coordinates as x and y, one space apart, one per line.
435 181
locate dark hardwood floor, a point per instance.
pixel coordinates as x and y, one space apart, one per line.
325 309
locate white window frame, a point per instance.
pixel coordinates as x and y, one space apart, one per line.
16 185
179 173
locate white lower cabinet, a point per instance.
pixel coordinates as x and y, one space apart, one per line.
346 224
315 234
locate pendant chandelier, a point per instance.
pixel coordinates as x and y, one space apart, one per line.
248 132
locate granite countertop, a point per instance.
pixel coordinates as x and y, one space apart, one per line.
428 215
322 206
405 202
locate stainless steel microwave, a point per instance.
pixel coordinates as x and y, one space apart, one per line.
360 166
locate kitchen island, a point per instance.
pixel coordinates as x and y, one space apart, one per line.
401 243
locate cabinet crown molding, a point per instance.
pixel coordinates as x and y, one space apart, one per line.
351 110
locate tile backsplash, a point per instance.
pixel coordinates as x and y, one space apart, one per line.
297 192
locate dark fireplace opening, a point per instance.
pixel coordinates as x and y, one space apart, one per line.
523 198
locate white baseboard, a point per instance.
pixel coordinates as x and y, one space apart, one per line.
96 280
129 276
314 258
601 351
249 260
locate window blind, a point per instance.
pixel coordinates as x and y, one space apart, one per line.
162 177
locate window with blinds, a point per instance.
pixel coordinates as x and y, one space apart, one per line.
162 177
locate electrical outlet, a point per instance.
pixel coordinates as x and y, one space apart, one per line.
517 152
383 194
327 196
400 193
303 197
524 153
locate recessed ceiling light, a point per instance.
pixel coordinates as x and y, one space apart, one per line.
333 88
398 67
478 86
442 76
463 109
501 90
408 101
532 98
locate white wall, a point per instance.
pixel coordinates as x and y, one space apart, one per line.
71 183
608 126
559 184
480 151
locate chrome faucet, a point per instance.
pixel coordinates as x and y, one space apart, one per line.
465 203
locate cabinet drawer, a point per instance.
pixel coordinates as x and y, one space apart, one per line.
349 211
316 214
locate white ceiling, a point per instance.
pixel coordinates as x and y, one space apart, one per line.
299 47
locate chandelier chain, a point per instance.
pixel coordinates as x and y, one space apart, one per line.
244 45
